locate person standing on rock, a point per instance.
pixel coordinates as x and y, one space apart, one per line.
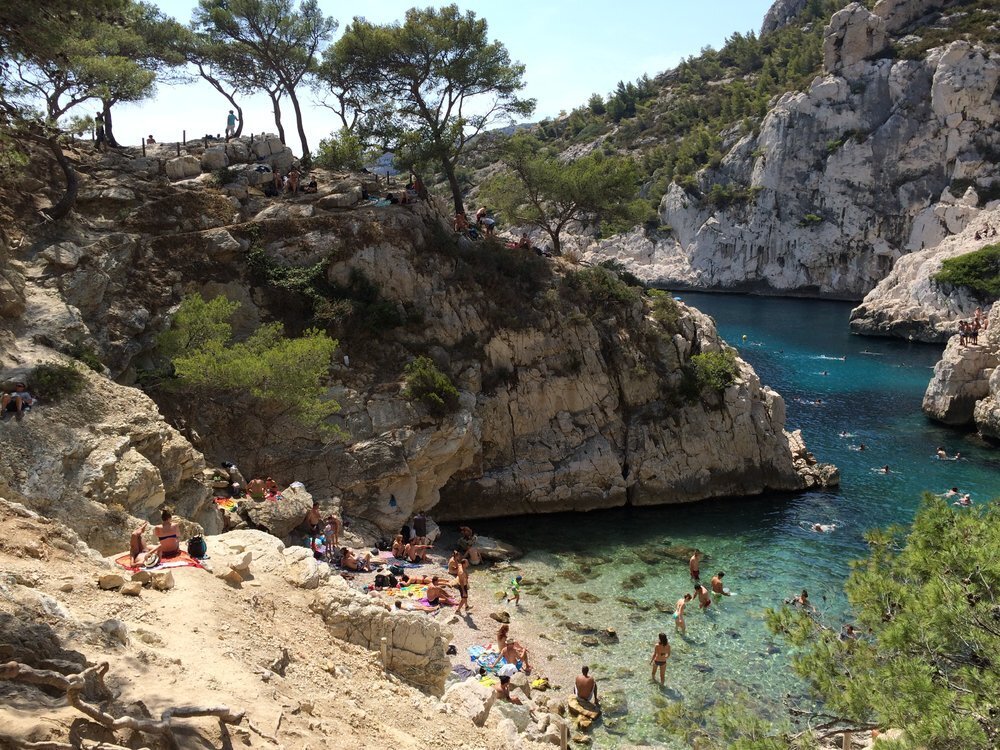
230 125
100 138
462 581
661 652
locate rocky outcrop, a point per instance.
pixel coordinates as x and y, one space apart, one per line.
567 399
96 459
909 303
964 389
415 644
781 14
841 180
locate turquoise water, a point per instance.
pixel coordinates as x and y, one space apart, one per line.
761 542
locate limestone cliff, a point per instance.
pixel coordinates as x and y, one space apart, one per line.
965 388
571 396
840 180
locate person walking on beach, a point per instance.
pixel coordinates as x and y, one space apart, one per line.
462 581
661 652
680 625
230 125
694 565
515 590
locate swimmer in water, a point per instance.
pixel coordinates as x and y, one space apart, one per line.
824 373
862 447
964 501
885 469
941 452
843 433
952 492
824 528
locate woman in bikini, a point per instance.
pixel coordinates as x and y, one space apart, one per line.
661 652
399 547
168 536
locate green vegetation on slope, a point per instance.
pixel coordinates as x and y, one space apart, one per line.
978 271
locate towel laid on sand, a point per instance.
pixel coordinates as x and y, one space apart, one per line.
182 560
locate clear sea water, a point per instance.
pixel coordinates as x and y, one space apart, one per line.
761 543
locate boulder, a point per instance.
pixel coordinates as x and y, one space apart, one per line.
961 378
110 581
494 550
303 570
214 158
279 517
341 200
162 580
183 167
132 588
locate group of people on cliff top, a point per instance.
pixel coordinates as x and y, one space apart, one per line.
968 330
484 227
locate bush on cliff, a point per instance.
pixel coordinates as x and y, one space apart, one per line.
427 384
52 381
978 271
714 371
926 612
283 375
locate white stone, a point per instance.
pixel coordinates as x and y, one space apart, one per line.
183 167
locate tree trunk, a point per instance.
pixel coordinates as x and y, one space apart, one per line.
109 132
456 191
68 200
277 115
217 85
298 121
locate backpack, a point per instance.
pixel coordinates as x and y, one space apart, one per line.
396 570
385 581
197 547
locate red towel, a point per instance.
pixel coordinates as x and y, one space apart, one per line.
182 560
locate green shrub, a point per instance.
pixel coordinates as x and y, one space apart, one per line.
275 370
225 175
714 371
87 355
811 220
666 312
54 381
427 384
619 270
601 285
978 271
342 150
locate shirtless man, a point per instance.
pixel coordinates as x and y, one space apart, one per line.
256 489
515 654
717 587
313 520
694 565
453 562
462 581
679 623
503 691
704 599
417 553
351 561
586 686
436 593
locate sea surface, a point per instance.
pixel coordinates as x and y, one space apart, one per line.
614 568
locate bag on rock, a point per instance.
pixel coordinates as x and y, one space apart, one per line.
197 547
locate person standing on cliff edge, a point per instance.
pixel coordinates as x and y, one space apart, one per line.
230 125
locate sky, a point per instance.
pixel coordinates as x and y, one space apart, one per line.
570 50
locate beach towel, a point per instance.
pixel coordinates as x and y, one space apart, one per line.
226 503
183 560
384 555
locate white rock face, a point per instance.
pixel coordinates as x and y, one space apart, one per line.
781 14
965 387
908 303
843 177
183 167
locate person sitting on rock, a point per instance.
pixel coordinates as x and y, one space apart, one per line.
310 187
503 691
168 535
292 184
17 400
136 546
256 489
351 561
586 686
467 543
150 141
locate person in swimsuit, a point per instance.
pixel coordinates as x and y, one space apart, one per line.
313 519
503 691
462 581
417 553
716 584
694 565
704 600
661 652
399 547
136 546
679 623
332 529
436 592
351 561
586 686
167 536
454 561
